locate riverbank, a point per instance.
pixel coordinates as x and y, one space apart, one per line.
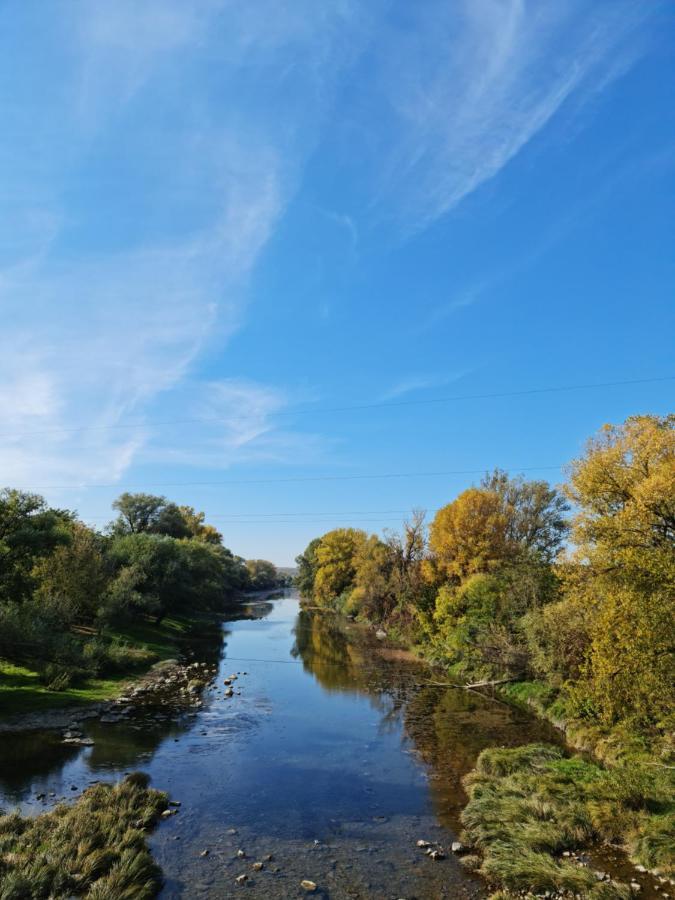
534 814
27 703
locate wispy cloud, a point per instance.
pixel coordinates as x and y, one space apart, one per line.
419 382
237 421
108 303
468 85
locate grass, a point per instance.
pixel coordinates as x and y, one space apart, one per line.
140 644
162 640
94 848
21 691
530 804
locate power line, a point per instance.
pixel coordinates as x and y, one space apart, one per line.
343 512
387 404
295 480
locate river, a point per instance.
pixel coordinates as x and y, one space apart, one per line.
334 759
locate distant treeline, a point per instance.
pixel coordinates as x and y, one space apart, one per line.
516 579
66 589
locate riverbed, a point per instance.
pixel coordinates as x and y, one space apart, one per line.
328 763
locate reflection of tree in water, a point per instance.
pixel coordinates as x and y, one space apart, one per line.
448 727
25 756
346 661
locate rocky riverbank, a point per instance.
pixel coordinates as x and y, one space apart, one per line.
170 685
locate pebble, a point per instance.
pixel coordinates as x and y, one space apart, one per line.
257 866
241 879
204 853
241 854
307 885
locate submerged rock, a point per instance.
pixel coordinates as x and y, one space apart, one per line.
308 885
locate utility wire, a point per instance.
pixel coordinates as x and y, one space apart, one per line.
309 478
343 512
387 404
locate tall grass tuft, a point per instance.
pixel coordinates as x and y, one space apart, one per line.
529 805
94 848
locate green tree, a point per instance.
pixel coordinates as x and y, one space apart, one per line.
151 569
74 575
262 574
307 564
29 531
148 514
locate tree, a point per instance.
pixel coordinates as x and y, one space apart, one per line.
29 530
262 574
335 558
408 551
467 536
535 513
307 567
74 574
371 593
194 522
152 569
497 523
148 514
624 488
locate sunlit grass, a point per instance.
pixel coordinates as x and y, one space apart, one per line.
94 848
529 805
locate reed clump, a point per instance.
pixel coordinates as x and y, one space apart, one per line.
531 809
93 848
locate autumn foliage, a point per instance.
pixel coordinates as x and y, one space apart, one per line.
505 584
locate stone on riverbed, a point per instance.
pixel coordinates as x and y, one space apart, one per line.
308 885
457 847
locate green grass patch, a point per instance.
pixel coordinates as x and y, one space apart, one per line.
21 691
125 652
161 640
94 848
530 804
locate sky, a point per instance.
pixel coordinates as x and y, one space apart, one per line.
304 265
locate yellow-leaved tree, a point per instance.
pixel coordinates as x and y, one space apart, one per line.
335 564
624 531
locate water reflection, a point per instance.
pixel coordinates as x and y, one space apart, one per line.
330 740
447 727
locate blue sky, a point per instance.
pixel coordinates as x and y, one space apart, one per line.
222 222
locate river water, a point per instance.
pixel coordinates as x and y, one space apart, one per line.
334 759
